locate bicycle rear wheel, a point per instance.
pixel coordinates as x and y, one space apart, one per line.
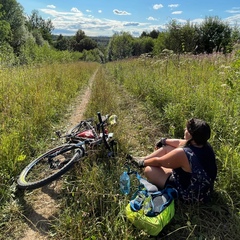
81 127
49 166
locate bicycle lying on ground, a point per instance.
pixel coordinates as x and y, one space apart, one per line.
85 137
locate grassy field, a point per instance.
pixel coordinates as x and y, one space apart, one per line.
33 100
152 98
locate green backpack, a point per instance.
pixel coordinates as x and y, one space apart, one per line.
150 209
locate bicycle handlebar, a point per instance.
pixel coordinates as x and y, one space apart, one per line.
103 130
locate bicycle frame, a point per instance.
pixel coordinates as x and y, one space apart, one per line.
57 161
89 136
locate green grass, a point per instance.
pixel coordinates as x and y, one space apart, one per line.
143 119
152 98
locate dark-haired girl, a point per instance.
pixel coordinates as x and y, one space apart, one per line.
187 164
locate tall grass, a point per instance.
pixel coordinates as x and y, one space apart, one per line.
161 95
178 88
92 207
152 98
32 101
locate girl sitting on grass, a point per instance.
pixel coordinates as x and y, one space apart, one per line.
188 164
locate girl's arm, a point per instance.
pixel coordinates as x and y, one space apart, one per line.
174 159
175 142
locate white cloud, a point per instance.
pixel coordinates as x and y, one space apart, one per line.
88 11
127 24
151 19
100 11
75 10
68 23
51 6
233 19
233 11
194 21
156 27
177 12
173 5
157 6
119 12
197 20
179 20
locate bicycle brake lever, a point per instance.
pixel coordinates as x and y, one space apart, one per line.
58 133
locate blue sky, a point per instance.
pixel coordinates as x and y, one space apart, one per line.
106 17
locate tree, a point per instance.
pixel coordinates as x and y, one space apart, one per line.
80 34
5 29
88 44
81 42
159 44
142 45
144 34
154 33
37 25
173 37
235 34
215 35
12 16
189 37
62 43
120 46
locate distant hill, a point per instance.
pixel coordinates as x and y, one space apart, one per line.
101 40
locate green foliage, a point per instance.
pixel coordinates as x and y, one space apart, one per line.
81 42
152 34
159 45
173 40
18 30
215 36
35 23
31 53
120 46
189 37
7 56
12 12
94 55
142 45
62 43
4 31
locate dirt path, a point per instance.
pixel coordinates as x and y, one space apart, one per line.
41 205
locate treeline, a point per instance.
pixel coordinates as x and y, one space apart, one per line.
212 35
26 39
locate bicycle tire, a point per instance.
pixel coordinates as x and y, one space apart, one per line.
40 172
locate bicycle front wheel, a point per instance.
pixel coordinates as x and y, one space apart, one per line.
49 166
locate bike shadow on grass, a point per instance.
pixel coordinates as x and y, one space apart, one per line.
37 212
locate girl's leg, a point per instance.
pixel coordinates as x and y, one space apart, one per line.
157 175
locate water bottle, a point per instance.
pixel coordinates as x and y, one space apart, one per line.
125 183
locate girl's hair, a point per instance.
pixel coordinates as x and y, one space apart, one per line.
199 130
